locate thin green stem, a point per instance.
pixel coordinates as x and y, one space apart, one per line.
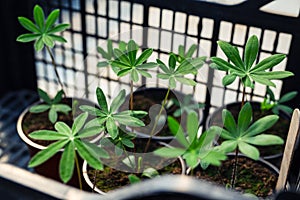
234 171
243 96
55 69
78 171
156 120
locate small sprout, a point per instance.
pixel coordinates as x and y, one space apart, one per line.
53 105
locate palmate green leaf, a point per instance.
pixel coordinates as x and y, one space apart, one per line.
251 51
39 16
47 153
85 152
28 24
63 128
177 131
132 49
228 79
214 157
28 37
229 122
112 128
39 44
186 81
287 97
117 101
58 28
79 122
53 16
52 115
120 55
268 63
43 95
47 135
245 117
39 108
101 100
248 150
134 75
66 164
128 120
143 57
261 125
48 41
232 54
169 152
264 140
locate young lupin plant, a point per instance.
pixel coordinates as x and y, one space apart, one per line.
248 73
71 139
53 105
43 32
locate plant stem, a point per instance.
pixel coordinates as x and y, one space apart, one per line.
234 171
243 96
156 120
55 70
78 171
94 183
126 154
131 95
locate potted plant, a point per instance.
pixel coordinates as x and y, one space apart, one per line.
126 153
43 114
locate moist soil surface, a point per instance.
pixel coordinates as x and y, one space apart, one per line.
252 176
280 128
40 121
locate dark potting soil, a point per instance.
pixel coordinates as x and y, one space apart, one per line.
40 121
252 176
110 179
280 128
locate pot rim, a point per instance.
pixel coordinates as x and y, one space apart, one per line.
27 140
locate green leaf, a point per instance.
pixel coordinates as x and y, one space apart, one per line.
229 122
85 152
172 82
287 97
177 131
245 117
223 65
221 132
58 38
47 153
268 63
251 51
127 143
39 108
133 179
162 66
47 135
264 140
122 57
150 172
262 80
228 79
103 53
122 45
172 61
58 97
101 99
96 122
53 16
92 110
52 115
228 146
134 75
102 64
58 28
119 64
261 125
28 37
274 74
192 126
147 65
163 76
63 128
110 51
90 131
124 72
169 152
39 16
79 122
98 152
144 73
43 95
285 108
232 54
143 57
66 164
128 120
132 50
249 150
191 51
28 24
192 159
181 51
186 81
117 101
112 128
39 44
